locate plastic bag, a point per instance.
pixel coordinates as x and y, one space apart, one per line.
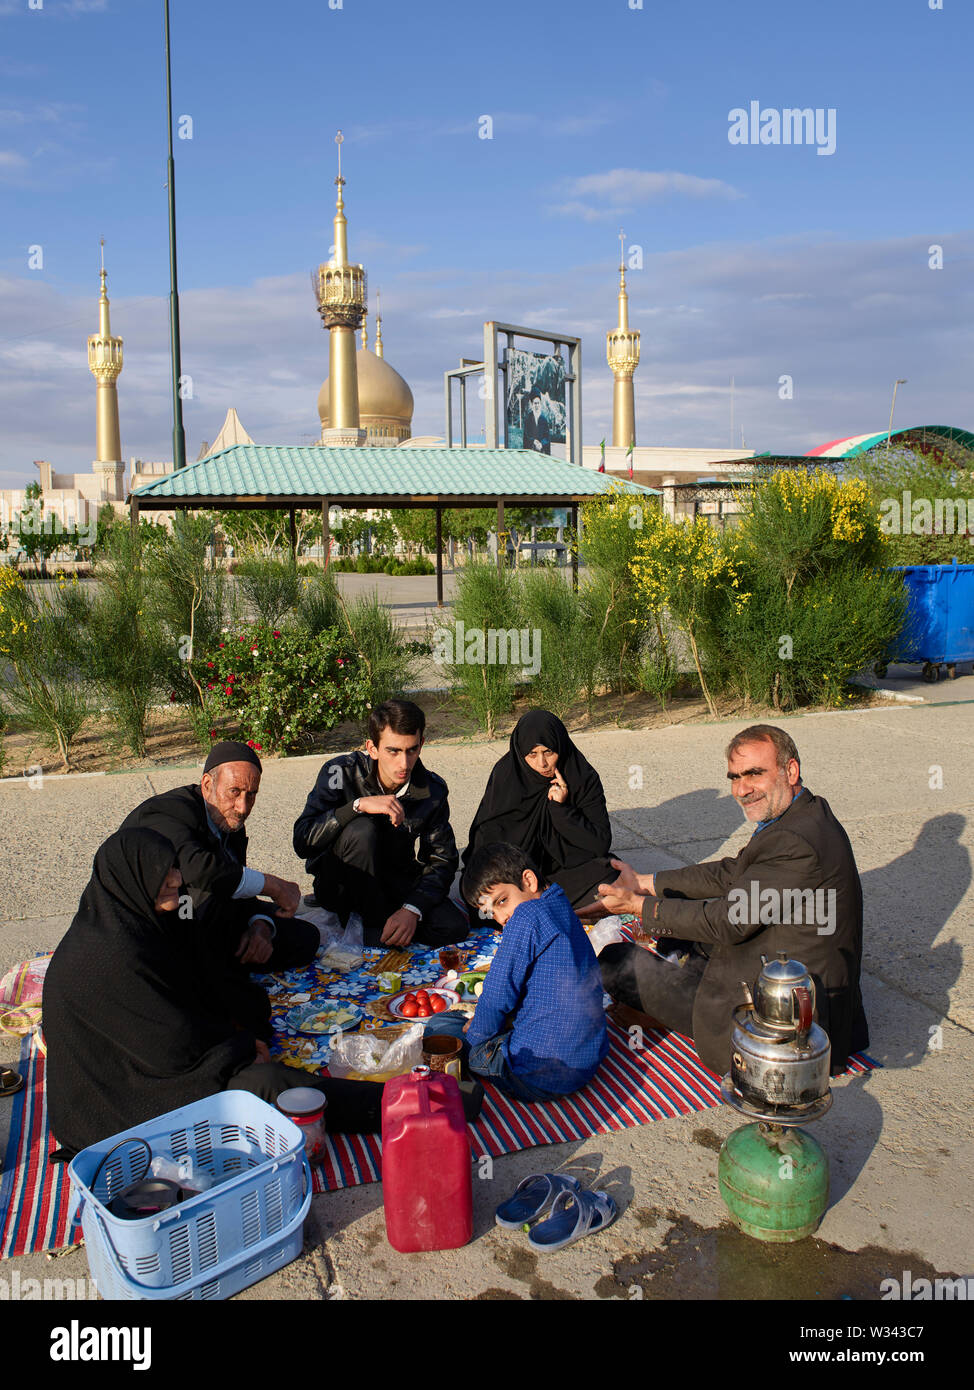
345 950
367 1055
181 1172
605 932
24 984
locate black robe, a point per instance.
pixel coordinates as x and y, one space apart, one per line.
135 1024
568 841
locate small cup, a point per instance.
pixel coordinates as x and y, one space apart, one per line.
442 1053
450 959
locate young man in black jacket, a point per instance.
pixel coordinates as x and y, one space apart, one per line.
376 836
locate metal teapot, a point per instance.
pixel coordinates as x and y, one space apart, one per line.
780 1057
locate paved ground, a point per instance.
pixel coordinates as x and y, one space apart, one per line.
901 778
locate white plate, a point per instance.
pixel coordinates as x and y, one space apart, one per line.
450 995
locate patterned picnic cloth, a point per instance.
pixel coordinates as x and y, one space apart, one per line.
634 1085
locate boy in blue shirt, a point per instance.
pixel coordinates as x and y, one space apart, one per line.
539 1029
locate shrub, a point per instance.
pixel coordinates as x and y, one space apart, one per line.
568 649
485 598
275 687
613 526
384 649
272 589
127 651
938 521
319 605
193 600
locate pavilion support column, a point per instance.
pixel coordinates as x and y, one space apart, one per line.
325 534
574 515
293 534
501 537
439 557
134 514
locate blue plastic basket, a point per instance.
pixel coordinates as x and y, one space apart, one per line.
217 1243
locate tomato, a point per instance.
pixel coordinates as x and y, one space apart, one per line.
409 998
409 1008
422 995
423 1012
437 1003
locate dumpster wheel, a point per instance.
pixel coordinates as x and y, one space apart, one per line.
931 671
952 670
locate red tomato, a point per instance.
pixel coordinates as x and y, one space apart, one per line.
409 998
437 1003
422 994
423 1012
409 1008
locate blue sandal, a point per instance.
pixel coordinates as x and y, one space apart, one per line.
573 1215
534 1197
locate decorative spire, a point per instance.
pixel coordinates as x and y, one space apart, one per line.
623 296
341 227
622 352
378 326
105 363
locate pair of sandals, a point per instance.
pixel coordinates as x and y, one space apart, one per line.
10 1081
572 1212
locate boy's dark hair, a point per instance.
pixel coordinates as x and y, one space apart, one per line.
401 716
494 864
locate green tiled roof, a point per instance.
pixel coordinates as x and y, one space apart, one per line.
267 471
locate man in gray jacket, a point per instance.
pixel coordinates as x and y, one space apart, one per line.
794 888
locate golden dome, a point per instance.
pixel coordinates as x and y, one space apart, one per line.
385 402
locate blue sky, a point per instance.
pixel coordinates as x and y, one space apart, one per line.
758 260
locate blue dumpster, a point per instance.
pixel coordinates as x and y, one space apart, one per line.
939 630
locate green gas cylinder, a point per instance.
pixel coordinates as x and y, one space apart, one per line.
774 1180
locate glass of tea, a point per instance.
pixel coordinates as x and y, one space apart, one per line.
449 959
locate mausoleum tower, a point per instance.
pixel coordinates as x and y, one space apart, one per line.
105 362
622 351
340 290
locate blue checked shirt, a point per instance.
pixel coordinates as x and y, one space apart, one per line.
546 975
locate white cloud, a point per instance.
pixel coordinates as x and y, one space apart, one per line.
828 313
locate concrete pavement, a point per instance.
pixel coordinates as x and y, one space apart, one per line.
901 778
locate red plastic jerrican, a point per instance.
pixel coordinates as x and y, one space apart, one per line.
426 1180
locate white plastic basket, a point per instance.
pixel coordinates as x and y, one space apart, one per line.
217 1243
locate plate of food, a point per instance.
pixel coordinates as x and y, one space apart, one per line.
422 1003
327 1017
468 984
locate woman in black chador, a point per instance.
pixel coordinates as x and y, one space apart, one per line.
547 799
136 1020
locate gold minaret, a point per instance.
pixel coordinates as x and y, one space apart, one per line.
340 290
622 351
105 362
378 327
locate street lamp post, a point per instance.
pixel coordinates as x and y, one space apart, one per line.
178 434
900 381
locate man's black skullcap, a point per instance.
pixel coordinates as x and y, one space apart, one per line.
231 752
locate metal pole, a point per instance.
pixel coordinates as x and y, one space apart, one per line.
325 533
293 535
501 535
490 378
178 434
900 381
463 411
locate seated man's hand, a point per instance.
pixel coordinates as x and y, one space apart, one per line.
389 806
285 894
617 898
400 928
262 1050
256 944
631 881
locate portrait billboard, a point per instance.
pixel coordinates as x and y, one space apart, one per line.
535 407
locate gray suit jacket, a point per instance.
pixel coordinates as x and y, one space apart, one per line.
720 905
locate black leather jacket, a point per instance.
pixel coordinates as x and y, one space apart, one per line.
328 810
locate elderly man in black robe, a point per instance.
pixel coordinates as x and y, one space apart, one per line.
205 825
